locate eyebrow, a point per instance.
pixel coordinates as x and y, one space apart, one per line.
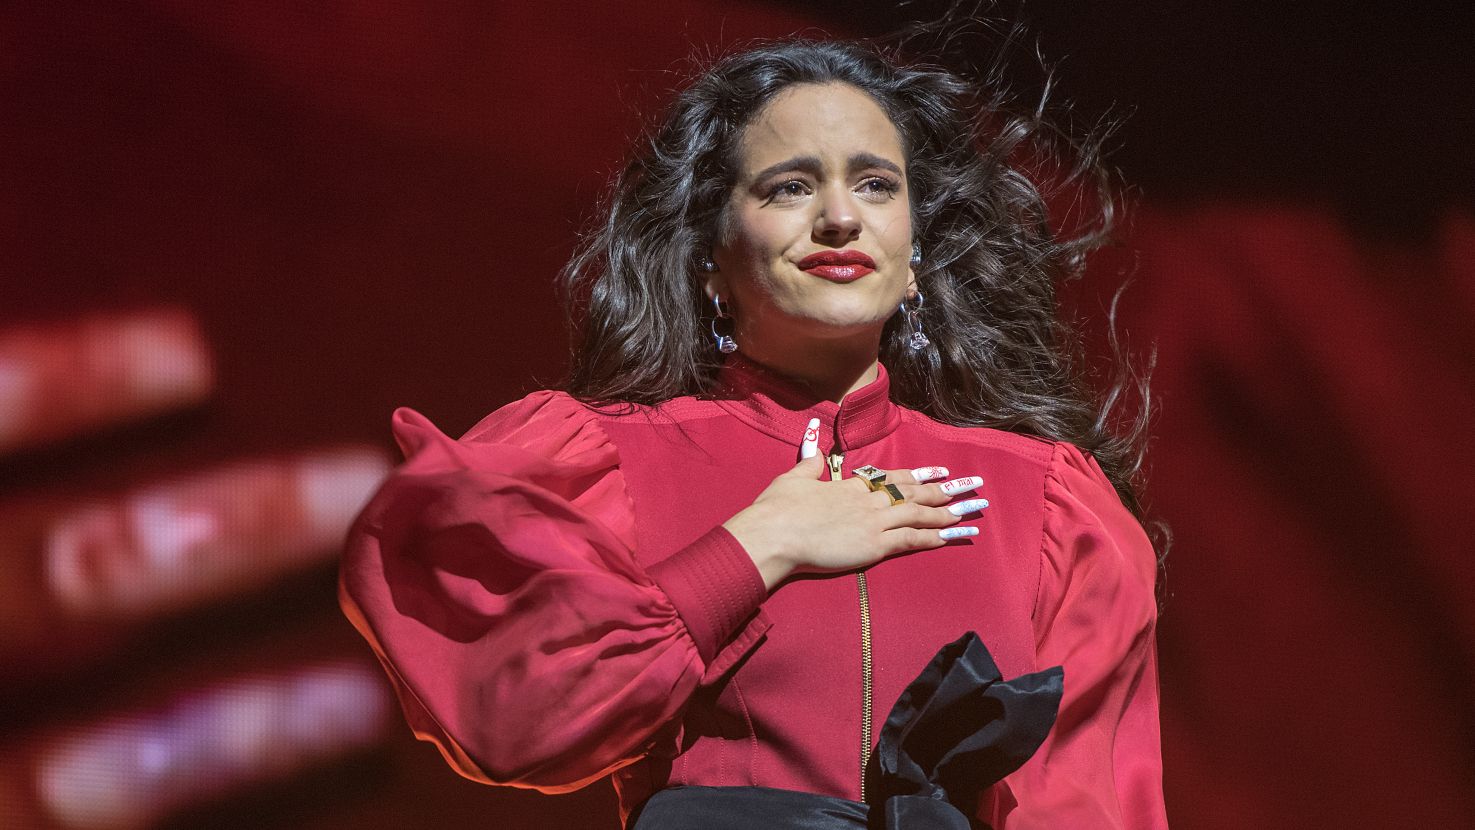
812 165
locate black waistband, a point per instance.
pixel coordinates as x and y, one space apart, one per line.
956 730
746 808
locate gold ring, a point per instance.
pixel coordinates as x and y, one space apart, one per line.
894 493
874 478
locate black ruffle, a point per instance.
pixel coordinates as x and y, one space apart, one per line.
955 731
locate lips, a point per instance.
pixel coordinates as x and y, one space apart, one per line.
838 266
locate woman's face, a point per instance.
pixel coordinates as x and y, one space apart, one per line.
820 172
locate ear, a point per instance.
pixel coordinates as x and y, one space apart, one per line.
714 283
715 286
911 283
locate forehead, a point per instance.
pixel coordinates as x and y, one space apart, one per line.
830 121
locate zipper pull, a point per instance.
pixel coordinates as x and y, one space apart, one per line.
835 460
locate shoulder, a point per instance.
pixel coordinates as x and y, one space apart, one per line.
547 423
1027 450
1065 477
545 408
1074 470
1085 519
545 445
552 406
1060 461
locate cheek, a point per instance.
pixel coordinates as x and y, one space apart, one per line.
894 226
765 235
901 229
744 251
761 236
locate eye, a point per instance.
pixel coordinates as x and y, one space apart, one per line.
787 190
880 188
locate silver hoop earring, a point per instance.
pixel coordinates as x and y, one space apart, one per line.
913 316
916 254
725 343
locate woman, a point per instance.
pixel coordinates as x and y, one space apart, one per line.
813 258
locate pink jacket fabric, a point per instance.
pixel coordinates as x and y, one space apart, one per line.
555 601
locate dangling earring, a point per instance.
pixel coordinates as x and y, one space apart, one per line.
725 343
916 254
913 316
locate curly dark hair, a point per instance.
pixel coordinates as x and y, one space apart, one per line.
999 355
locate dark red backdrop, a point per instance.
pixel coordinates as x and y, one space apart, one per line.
364 204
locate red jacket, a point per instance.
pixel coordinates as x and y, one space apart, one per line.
555 600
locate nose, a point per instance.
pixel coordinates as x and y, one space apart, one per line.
837 222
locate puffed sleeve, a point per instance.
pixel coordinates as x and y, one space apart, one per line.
1095 614
496 580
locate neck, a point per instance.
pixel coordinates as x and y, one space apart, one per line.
830 369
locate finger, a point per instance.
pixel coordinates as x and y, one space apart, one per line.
882 501
900 477
918 516
809 447
961 485
927 494
920 475
963 508
917 538
810 467
935 495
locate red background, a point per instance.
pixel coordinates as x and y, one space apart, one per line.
365 204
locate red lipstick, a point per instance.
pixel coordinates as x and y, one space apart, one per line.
838 266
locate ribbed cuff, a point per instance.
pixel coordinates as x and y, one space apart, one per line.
715 587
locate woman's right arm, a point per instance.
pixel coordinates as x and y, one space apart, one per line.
496 580
494 577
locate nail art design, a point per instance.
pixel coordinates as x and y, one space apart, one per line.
963 508
810 447
962 485
957 532
922 475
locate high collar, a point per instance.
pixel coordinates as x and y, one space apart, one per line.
781 407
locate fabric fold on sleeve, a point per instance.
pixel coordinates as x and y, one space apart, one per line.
1095 615
496 580
714 586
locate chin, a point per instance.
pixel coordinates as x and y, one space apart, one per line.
840 322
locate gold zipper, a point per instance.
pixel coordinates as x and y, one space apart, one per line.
836 462
865 678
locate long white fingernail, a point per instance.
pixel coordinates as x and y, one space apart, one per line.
810 447
963 508
957 532
961 485
921 475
